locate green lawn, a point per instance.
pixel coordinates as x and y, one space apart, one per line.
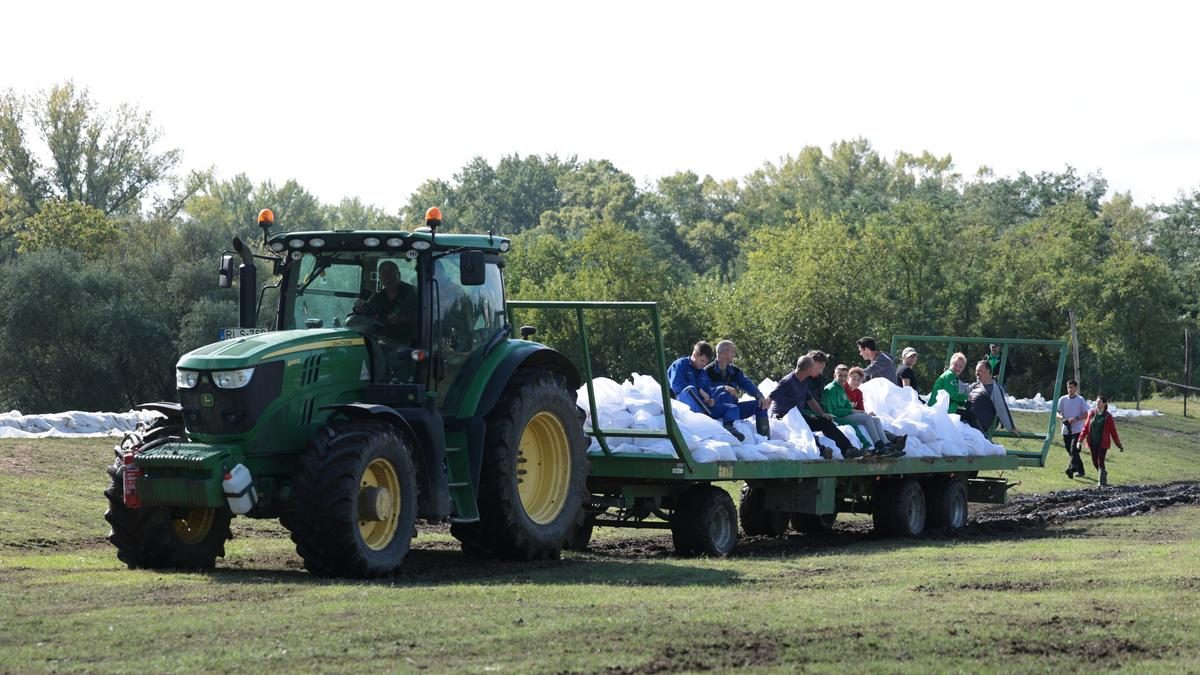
1087 595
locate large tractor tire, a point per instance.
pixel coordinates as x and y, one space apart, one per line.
159 537
356 501
756 518
899 508
704 522
533 483
947 502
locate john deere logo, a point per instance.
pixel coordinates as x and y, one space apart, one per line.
206 400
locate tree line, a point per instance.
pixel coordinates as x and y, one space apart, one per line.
108 253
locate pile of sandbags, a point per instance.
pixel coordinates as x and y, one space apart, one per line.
72 423
637 404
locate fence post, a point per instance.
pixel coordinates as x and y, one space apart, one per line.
1138 396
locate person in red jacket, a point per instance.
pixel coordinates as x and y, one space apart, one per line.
1099 432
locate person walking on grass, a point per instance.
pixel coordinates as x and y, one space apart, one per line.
1100 432
1072 411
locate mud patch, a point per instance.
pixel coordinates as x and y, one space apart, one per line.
728 651
1092 651
1031 511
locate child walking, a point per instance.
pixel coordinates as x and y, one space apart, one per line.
1099 432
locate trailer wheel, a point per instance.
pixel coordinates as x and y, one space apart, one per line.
533 483
899 508
159 537
947 500
811 523
356 501
704 522
756 518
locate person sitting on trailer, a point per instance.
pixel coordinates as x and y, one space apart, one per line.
987 402
729 382
690 384
948 384
880 362
797 390
835 401
854 379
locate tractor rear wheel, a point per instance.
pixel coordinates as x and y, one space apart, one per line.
159 537
756 518
356 501
533 483
704 522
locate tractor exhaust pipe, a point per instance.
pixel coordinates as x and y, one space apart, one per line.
247 286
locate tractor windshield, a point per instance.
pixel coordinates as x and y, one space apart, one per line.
330 288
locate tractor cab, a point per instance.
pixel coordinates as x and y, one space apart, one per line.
424 303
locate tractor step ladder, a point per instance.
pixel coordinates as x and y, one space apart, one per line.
458 477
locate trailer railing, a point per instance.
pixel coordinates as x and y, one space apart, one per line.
1026 458
580 308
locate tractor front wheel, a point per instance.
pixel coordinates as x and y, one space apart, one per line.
356 501
159 537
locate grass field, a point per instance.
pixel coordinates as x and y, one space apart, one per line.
1087 595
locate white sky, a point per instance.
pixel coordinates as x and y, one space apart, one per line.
370 99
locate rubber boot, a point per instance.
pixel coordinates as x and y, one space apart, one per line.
1103 477
762 424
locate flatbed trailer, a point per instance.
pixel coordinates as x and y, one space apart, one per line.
904 495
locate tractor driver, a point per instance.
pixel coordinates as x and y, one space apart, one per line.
394 305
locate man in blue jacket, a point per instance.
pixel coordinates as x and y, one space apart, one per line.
729 382
690 384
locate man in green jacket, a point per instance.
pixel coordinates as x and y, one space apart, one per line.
836 403
947 383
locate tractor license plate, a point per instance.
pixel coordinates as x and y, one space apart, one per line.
232 333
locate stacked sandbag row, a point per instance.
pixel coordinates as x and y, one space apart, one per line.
73 423
637 404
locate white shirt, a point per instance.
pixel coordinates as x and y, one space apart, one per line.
1074 407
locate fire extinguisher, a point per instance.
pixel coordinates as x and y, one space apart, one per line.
132 473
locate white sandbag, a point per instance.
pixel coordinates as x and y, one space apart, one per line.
882 397
615 418
775 450
848 431
624 448
749 453
767 386
644 419
704 455
705 427
750 431
725 452
828 443
657 446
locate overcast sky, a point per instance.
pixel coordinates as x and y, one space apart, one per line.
354 100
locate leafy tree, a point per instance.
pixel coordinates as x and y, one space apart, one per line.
103 158
68 225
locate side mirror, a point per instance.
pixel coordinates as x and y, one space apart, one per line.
527 332
225 273
472 268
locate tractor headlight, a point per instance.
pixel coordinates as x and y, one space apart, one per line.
186 379
233 379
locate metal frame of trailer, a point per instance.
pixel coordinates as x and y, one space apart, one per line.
646 491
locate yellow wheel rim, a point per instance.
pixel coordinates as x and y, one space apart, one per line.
543 468
377 520
193 526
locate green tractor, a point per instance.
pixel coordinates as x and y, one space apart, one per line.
390 390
